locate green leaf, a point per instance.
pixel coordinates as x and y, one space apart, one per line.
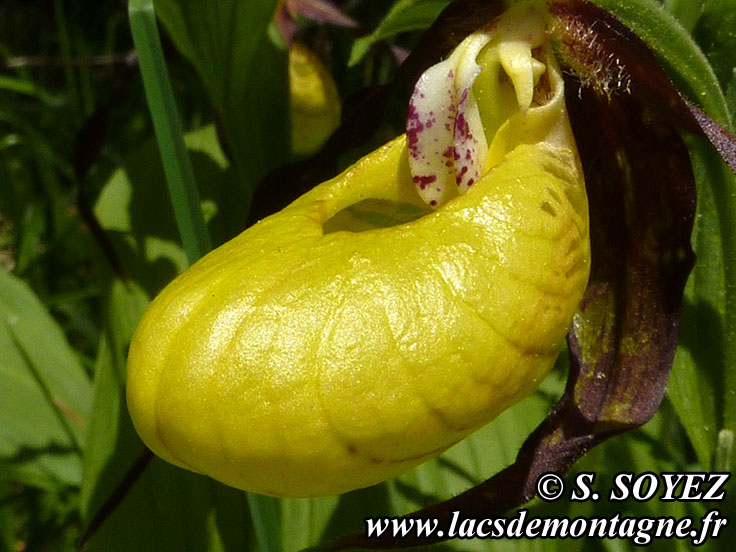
699 370
172 509
305 520
133 207
404 16
687 12
112 444
44 391
716 33
678 51
245 73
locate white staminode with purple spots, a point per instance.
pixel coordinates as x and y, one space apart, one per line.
445 133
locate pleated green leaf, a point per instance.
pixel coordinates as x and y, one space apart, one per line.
404 16
44 391
244 71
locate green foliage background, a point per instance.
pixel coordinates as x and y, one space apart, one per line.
78 148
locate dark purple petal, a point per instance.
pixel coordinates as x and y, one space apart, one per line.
321 11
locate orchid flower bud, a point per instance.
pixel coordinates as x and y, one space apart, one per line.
315 103
391 311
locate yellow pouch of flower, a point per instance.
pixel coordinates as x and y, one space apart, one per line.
315 354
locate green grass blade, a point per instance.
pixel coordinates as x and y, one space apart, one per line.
169 132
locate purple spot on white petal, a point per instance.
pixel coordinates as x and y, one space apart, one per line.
424 181
462 130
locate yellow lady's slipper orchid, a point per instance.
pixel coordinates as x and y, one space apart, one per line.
311 356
